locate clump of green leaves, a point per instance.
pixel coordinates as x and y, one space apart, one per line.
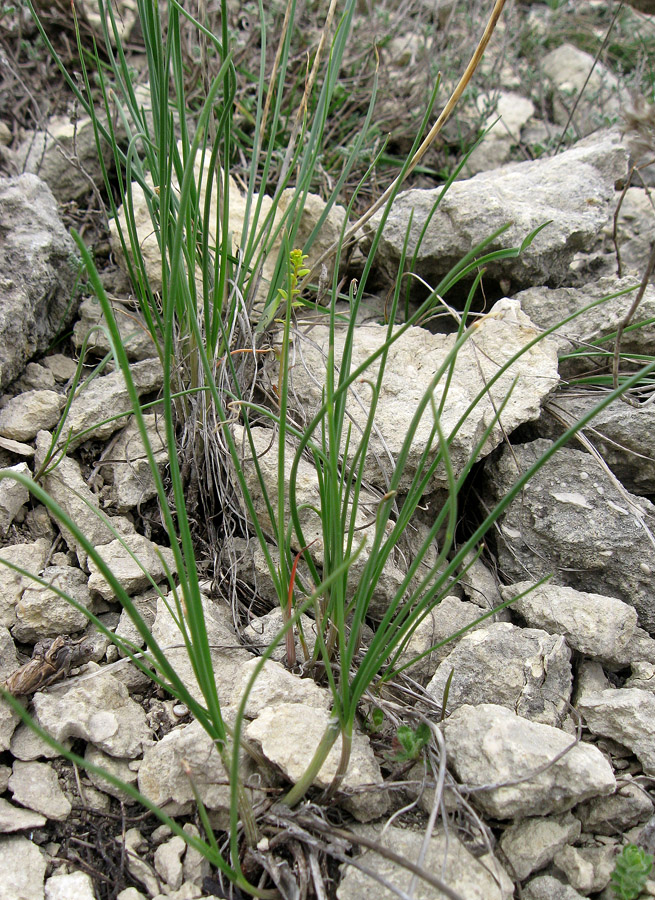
411 742
297 271
631 872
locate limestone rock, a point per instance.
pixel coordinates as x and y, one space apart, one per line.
135 337
572 72
98 710
23 869
27 746
41 612
168 861
152 562
447 858
262 630
163 779
450 616
68 488
36 786
412 364
573 190
489 745
573 520
275 685
588 869
108 393
132 480
524 669
289 733
22 417
74 886
546 887
530 844
227 657
547 307
514 112
594 625
13 818
626 715
13 496
120 768
30 557
39 263
50 154
616 814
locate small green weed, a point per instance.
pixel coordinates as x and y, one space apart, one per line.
631 872
410 742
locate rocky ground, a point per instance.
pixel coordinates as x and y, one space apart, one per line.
542 765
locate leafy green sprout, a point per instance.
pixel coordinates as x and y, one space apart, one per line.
411 742
631 872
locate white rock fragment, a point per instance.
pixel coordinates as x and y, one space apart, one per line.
530 844
489 745
274 685
23 869
525 669
31 557
24 416
289 733
163 774
152 563
41 612
412 364
475 879
587 869
36 786
13 818
627 715
546 887
75 886
168 861
98 710
13 496
594 625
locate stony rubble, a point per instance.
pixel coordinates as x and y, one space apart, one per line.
489 745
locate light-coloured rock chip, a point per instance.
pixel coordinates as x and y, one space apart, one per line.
163 778
168 861
262 630
27 746
289 733
8 656
98 710
151 564
36 786
530 844
75 886
572 520
274 685
8 722
13 818
228 657
442 622
40 266
132 481
24 416
106 397
627 715
30 557
545 887
573 190
572 73
597 626
13 496
120 768
448 859
525 669
23 869
135 337
41 612
66 485
412 364
618 813
587 869
489 745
